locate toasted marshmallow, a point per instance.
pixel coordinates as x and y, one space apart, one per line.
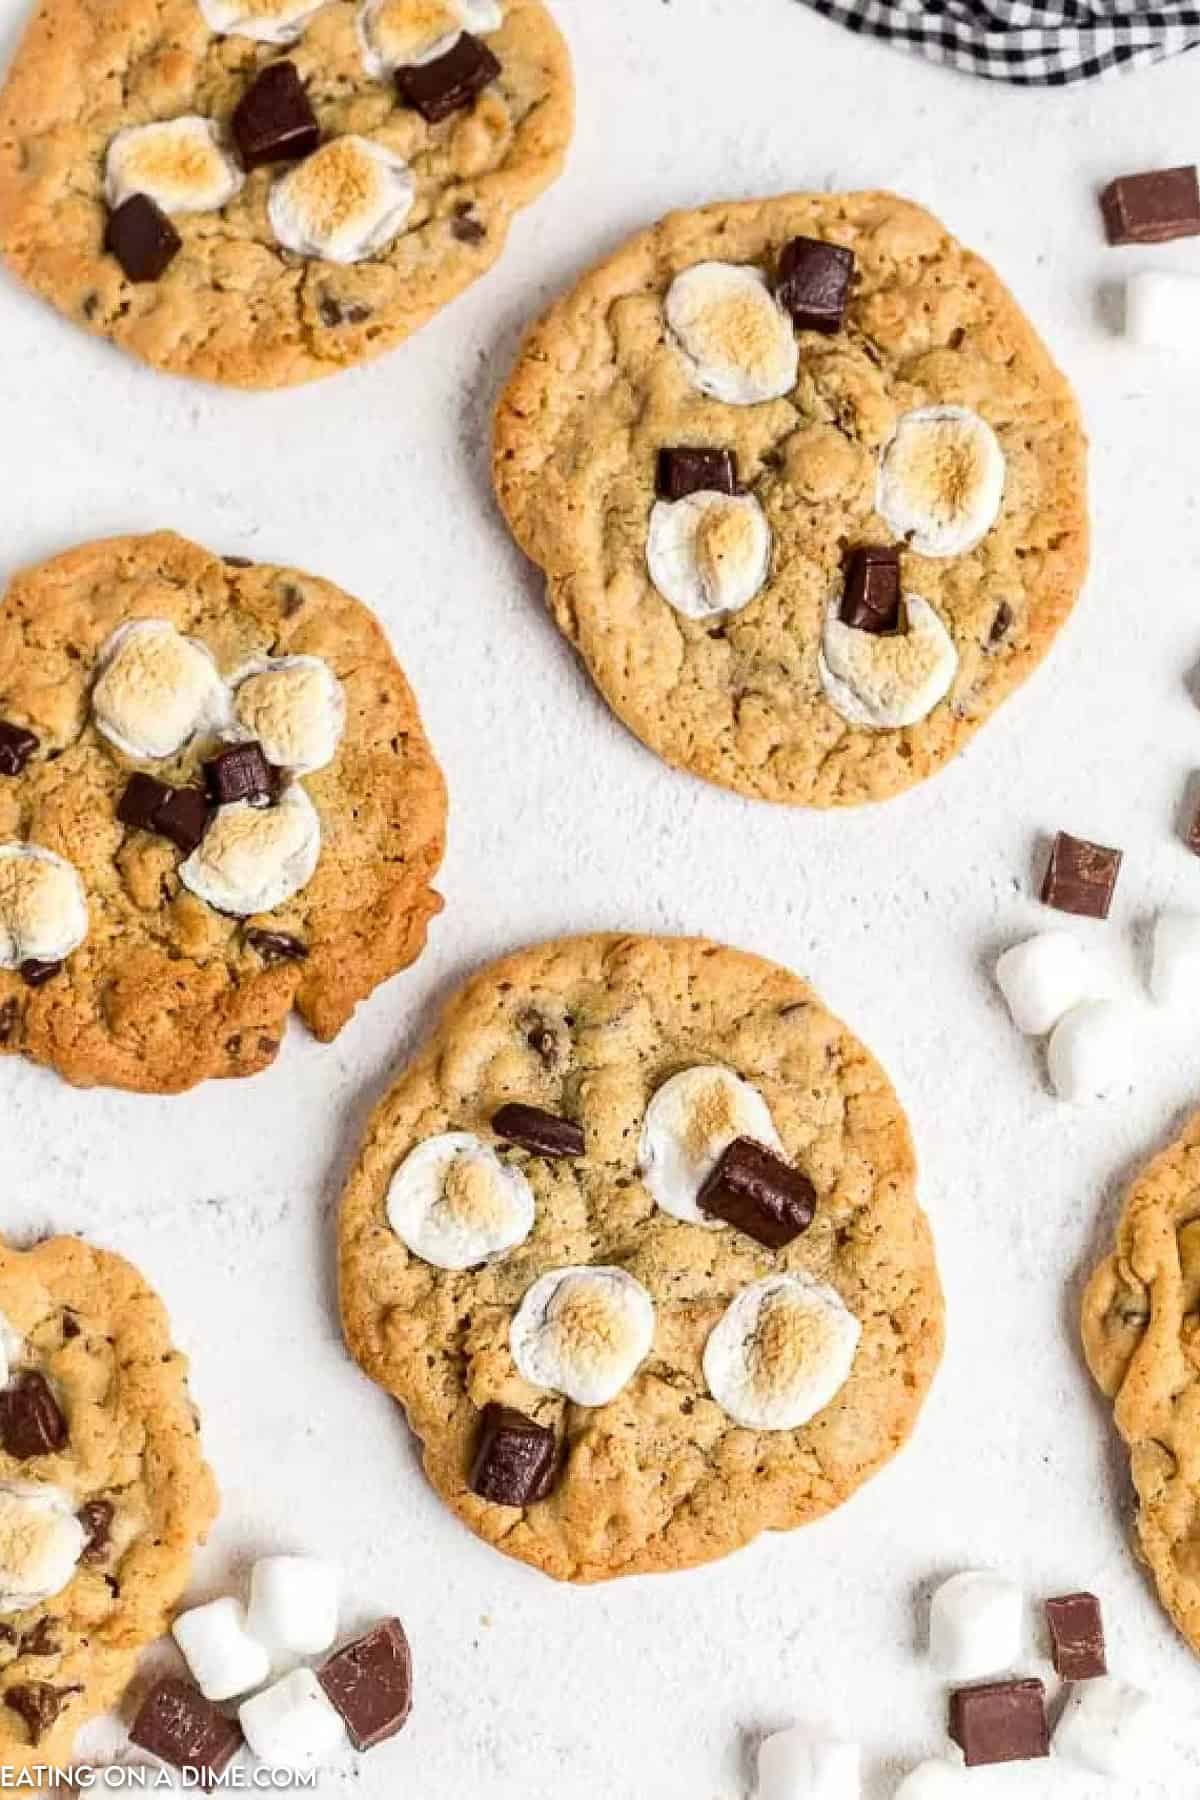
11 1346
343 203
455 1204
708 553
583 1332
156 690
294 707
737 342
690 1122
941 480
41 1541
780 1353
884 680
270 21
253 858
398 34
43 908
179 163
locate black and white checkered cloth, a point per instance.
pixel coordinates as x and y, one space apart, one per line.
1009 40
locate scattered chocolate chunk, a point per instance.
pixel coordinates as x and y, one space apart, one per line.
1153 207
240 773
1002 1721
542 1132
17 745
1001 624
96 1518
466 227
341 312
437 89
813 283
41 1640
1080 877
756 1191
684 470
871 600
31 1420
274 120
36 974
39 1705
143 796
370 1683
514 1462
142 238
1077 1637
277 946
175 1722
180 814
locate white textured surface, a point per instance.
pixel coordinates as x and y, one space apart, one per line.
658 1689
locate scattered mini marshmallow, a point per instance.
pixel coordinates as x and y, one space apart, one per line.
347 200
395 34
583 1332
43 907
455 1204
1175 965
294 706
222 1655
708 554
690 1122
269 21
798 1764
253 858
156 689
933 1780
941 480
1160 310
292 1724
293 1605
736 341
1042 979
181 164
1111 1728
780 1352
1091 1051
41 1541
975 1625
886 680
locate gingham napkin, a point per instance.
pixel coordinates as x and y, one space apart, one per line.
1009 40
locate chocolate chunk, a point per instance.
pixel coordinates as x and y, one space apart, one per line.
240 773
756 1191
142 238
684 470
1153 207
96 1518
237 562
36 974
274 120
16 747
1080 877
277 946
542 1132
466 227
42 1640
175 1722
143 796
813 283
70 1327
1001 624
437 89
871 600
370 1683
340 312
31 1420
180 814
1002 1721
1077 1637
39 1705
514 1461
7 1634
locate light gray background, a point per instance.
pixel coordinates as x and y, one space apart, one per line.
656 1689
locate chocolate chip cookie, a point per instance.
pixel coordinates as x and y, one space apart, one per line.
635 1242
807 489
104 1493
216 803
261 192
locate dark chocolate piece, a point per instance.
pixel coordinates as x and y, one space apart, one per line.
237 562
514 1461
437 89
175 1722
342 312
180 814
1153 207
542 1132
143 796
274 120
756 1191
240 773
1002 1721
41 1640
685 470
36 974
16 747
466 227
39 1705
1080 877
142 238
96 1518
1001 624
1077 1637
871 600
71 1327
277 946
813 283
370 1683
31 1420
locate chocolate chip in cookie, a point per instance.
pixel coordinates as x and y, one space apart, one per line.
39 1705
514 1462
17 745
175 1722
813 283
274 120
36 974
757 1192
41 1640
31 1420
240 773
97 1520
180 814
277 946
543 1133
871 601
370 1683
437 89
686 470
142 238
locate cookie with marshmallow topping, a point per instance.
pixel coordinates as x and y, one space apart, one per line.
924 418
680 1384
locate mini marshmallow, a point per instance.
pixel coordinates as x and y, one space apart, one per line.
294 706
975 1626
1042 979
1161 309
397 34
1175 968
781 1351
583 1332
886 680
293 1604
43 908
180 164
455 1204
343 203
933 1780
709 553
1111 1728
269 21
690 1122
735 340
222 1656
253 858
798 1765
1091 1052
291 1724
156 689
941 480
41 1542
